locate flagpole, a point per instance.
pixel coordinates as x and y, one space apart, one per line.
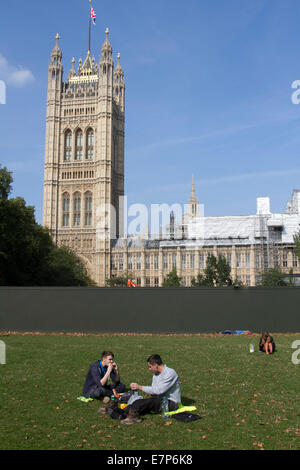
90 26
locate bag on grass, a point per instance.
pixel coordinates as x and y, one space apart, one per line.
130 397
186 417
115 413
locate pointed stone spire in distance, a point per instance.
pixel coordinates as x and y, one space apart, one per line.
72 72
193 202
193 196
118 66
56 51
106 47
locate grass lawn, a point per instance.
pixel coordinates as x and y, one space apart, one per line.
246 401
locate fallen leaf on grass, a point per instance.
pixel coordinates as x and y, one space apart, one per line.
259 444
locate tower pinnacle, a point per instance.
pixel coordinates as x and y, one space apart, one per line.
193 202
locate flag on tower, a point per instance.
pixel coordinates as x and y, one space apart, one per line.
93 15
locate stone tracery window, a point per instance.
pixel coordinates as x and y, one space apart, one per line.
66 210
79 145
88 204
68 146
90 142
77 209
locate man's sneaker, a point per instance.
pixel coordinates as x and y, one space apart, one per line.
133 417
102 411
106 400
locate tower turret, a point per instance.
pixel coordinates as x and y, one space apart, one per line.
55 71
119 85
106 60
52 141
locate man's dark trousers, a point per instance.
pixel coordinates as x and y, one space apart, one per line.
99 391
148 405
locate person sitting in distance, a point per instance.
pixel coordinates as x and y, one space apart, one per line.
266 343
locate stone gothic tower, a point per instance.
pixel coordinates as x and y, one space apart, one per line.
193 205
84 157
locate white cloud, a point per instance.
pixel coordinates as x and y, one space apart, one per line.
13 75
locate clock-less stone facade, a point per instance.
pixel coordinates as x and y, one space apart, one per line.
84 156
84 186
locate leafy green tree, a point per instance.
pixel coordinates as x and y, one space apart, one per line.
199 281
118 281
28 256
24 245
6 181
65 268
172 279
273 277
297 244
216 273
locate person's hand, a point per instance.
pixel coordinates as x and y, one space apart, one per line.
110 367
135 386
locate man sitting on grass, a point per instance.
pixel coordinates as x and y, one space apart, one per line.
96 382
164 383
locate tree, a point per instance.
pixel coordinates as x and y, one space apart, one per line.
6 181
172 279
65 268
117 281
273 277
28 256
216 273
24 245
297 244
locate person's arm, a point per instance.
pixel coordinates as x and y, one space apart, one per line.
135 386
158 387
105 378
115 375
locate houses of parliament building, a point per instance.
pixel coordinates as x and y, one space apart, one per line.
84 190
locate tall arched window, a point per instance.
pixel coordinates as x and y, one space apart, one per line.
66 210
90 142
68 146
79 145
88 205
77 209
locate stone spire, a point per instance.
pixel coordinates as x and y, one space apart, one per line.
119 85
193 202
72 72
55 70
106 49
106 61
56 51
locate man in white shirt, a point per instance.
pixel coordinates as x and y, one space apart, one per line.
165 382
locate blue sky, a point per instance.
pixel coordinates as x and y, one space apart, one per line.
208 93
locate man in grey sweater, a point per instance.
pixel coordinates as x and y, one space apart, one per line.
165 382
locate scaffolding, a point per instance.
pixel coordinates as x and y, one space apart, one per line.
268 235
